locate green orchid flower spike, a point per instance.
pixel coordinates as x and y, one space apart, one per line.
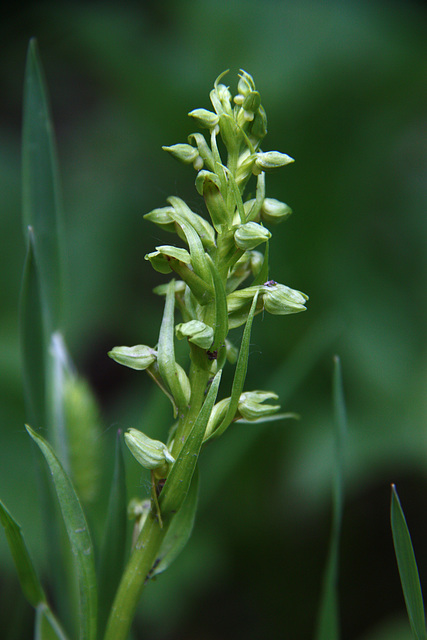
219 282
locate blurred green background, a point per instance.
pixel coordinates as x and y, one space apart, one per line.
344 87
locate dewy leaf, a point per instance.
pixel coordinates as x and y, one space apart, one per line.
30 584
407 566
46 626
113 546
41 193
166 350
179 479
32 338
328 618
240 373
79 536
180 528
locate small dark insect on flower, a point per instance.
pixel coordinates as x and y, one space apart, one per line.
270 283
212 355
160 485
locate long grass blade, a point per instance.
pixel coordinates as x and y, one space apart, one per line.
79 537
29 581
407 566
32 339
41 199
328 620
113 546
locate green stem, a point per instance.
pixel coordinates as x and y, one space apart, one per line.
135 577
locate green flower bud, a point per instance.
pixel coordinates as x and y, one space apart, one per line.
281 300
250 235
252 102
183 152
206 119
273 211
197 332
162 256
151 454
259 124
139 357
270 160
184 382
251 408
217 416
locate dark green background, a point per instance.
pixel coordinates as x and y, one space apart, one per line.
344 87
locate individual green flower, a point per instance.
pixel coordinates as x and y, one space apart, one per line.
151 454
197 332
139 357
206 119
161 258
251 234
183 152
281 300
251 405
270 160
273 211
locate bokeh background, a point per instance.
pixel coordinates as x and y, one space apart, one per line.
344 86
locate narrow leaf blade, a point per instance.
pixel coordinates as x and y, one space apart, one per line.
79 537
328 620
113 547
180 529
41 199
240 373
407 566
179 479
32 338
29 581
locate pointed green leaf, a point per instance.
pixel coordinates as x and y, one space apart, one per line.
179 479
41 198
408 570
221 313
240 373
328 620
197 252
166 350
180 529
30 584
46 625
32 338
113 547
79 537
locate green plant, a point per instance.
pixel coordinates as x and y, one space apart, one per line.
209 291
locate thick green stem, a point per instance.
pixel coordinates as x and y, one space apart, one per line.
134 578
